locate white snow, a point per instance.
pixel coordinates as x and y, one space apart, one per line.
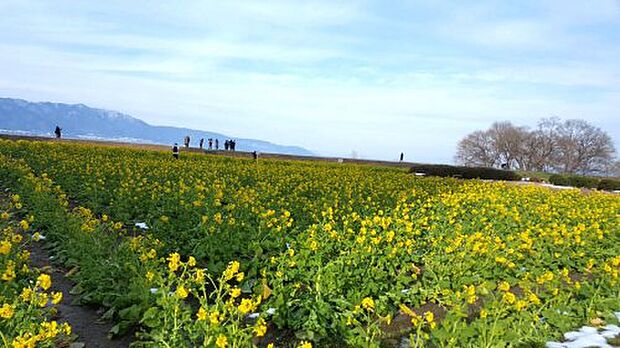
557 186
255 315
587 336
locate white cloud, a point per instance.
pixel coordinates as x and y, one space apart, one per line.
326 85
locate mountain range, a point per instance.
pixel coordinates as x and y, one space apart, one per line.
19 116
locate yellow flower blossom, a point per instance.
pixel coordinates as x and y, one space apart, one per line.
44 281
260 328
202 314
368 304
214 318
6 311
181 292
245 306
56 297
174 261
221 341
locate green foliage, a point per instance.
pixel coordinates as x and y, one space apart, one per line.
609 184
605 184
560 180
347 255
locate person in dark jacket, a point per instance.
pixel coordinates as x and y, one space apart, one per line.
175 151
202 142
210 143
58 131
402 155
217 144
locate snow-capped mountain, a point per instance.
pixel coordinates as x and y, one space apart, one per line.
80 121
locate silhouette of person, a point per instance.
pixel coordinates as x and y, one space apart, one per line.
217 144
402 155
226 145
58 132
233 144
187 141
254 155
210 143
175 151
202 142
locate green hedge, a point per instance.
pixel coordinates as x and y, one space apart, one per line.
443 170
609 184
606 184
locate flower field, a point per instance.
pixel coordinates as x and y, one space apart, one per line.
27 303
233 252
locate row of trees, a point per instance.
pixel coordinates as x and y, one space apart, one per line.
571 146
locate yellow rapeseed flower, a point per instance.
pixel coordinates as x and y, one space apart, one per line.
214 318
245 306
368 304
44 281
6 311
221 341
509 297
305 344
181 292
174 261
235 292
5 247
202 314
261 328
56 297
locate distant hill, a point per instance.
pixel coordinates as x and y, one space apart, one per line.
19 116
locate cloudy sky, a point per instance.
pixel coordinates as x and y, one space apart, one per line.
370 77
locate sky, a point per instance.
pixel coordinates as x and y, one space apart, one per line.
341 78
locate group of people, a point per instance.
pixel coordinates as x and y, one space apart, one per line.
229 145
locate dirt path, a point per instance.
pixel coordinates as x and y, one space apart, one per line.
84 320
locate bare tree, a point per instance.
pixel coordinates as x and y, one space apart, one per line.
508 143
582 148
613 169
572 146
540 148
476 149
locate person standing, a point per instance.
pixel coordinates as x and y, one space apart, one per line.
217 144
58 131
202 142
402 155
210 143
175 151
226 145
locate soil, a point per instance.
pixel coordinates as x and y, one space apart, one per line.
85 321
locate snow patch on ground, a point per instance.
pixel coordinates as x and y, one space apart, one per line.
588 336
557 186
